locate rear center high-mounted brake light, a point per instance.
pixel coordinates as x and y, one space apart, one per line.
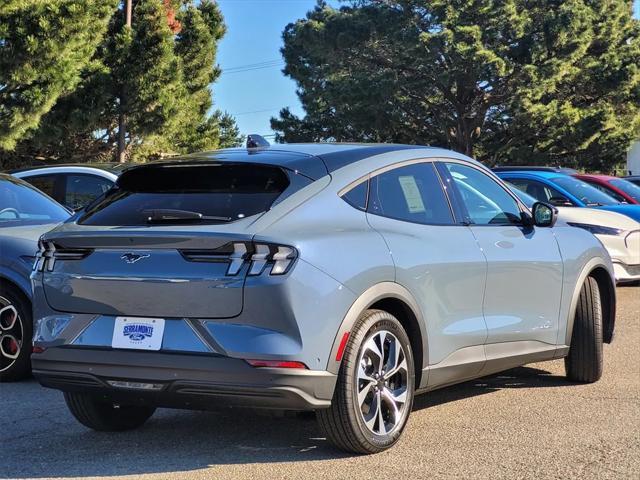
275 364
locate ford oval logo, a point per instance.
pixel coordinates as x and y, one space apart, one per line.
133 257
137 332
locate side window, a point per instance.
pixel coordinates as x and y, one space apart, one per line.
44 183
608 191
540 191
357 196
486 201
412 193
82 189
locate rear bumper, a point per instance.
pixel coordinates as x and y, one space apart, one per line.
181 381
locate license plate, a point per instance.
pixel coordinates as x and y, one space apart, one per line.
138 333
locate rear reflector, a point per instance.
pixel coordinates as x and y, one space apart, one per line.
275 364
135 385
38 349
343 345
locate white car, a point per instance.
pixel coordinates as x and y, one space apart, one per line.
74 186
619 234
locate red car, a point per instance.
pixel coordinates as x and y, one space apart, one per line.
618 188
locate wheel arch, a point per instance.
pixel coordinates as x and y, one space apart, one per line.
399 302
15 282
598 269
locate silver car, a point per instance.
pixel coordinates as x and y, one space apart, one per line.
343 279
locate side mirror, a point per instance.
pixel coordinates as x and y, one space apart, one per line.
544 215
560 202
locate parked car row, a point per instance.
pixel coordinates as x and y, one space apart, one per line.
343 279
615 224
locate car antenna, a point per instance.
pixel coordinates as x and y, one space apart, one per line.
257 141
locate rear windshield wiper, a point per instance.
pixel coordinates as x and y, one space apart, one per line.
179 216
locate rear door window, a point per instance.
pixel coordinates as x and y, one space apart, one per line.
412 193
81 189
540 191
357 196
189 193
44 183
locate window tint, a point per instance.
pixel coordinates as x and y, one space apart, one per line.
44 183
83 189
524 197
608 191
21 204
412 193
357 196
178 193
585 192
487 203
540 191
627 187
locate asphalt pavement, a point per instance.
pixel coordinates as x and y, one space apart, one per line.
525 423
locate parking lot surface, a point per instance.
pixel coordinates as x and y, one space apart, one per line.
525 423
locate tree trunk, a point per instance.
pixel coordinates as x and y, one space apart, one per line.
122 124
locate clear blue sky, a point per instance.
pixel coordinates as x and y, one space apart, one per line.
254 36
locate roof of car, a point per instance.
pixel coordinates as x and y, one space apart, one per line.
520 168
113 167
594 176
535 173
313 160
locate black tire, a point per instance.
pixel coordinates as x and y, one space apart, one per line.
584 362
343 423
106 416
19 368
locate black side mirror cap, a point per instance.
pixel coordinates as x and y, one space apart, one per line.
544 214
526 219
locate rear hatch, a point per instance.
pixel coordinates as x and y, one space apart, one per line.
167 241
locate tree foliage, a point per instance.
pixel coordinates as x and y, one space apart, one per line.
157 73
44 47
520 81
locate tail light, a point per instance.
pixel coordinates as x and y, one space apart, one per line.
278 259
49 252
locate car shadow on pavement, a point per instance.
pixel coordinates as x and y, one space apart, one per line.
520 377
50 443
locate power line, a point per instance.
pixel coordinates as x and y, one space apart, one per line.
253 66
266 62
251 69
257 111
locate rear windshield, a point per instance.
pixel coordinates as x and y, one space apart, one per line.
169 194
21 205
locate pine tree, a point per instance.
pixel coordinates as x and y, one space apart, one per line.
44 47
543 81
157 74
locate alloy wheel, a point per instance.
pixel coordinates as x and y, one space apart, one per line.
381 383
11 334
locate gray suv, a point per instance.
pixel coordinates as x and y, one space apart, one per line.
343 279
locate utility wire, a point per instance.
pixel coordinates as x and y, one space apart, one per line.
253 66
257 111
